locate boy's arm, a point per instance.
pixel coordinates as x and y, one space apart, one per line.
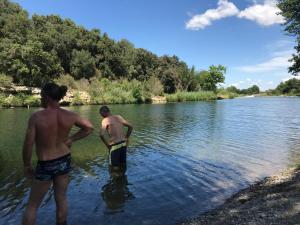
102 133
126 124
28 146
86 128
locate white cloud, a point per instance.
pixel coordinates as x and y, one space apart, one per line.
270 82
265 14
224 9
279 61
234 84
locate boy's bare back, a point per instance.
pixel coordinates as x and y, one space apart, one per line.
52 127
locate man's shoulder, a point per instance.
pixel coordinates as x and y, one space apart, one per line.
37 114
118 116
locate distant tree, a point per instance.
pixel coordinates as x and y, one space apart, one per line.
209 79
253 90
249 91
290 9
232 89
291 86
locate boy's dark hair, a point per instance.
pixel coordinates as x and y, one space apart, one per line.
104 109
54 91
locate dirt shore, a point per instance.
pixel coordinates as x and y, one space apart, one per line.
274 200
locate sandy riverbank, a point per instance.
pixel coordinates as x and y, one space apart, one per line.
274 200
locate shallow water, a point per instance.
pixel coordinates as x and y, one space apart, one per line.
184 159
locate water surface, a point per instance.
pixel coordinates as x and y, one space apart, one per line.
184 159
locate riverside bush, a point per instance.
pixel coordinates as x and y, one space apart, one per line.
191 96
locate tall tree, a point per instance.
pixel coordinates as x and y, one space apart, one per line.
290 9
209 79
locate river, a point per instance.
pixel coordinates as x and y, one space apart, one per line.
183 159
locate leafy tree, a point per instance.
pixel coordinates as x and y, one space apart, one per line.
233 89
290 9
82 64
28 64
249 91
168 81
209 79
144 63
41 48
291 86
253 90
176 72
5 81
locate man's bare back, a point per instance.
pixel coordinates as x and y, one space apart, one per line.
118 141
52 129
114 126
49 131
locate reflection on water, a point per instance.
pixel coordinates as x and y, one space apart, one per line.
183 159
116 191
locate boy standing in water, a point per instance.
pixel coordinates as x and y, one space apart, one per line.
49 130
117 145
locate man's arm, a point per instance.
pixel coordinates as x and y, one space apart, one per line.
28 146
126 124
86 128
102 133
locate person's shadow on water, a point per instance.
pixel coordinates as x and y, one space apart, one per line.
116 192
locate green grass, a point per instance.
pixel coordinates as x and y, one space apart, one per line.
191 96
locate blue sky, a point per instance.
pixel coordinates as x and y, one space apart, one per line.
244 35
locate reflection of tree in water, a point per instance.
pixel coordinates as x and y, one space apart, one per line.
116 192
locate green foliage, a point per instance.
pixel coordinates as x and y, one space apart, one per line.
191 96
154 86
228 93
66 80
32 101
2 99
82 64
28 63
208 80
290 9
248 91
233 89
77 100
14 101
5 81
291 87
38 49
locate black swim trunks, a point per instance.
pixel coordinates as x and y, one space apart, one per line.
117 156
47 170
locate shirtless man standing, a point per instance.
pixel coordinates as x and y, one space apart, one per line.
49 130
117 145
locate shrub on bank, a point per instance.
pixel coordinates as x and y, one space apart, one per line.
191 96
2 98
14 101
5 81
19 100
32 101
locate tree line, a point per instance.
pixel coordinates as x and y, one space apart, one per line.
38 49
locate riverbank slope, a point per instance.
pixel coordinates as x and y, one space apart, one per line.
274 200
